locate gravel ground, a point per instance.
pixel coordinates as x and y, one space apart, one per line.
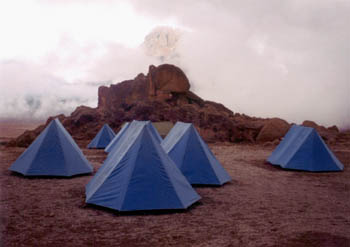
262 206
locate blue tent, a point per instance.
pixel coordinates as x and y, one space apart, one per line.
193 157
140 176
103 137
116 138
53 153
303 149
126 131
154 132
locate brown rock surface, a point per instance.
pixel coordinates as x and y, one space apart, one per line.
308 123
330 134
273 129
163 95
168 78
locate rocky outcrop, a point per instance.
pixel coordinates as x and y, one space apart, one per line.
330 134
164 95
160 84
165 80
273 129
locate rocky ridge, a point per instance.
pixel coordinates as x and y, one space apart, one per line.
164 95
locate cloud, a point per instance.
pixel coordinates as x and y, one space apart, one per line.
285 59
119 63
66 77
29 92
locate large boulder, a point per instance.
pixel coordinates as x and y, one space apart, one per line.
163 95
308 123
169 78
159 84
328 134
273 129
165 80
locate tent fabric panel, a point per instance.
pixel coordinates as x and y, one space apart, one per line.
285 145
177 154
154 131
49 160
75 160
324 159
135 176
112 161
174 136
67 136
129 134
148 124
109 189
289 145
303 149
72 159
117 138
103 137
183 188
103 142
196 165
299 139
94 142
302 158
53 153
149 186
220 172
22 163
109 131
194 158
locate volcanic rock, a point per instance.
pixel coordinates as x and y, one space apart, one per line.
163 95
328 134
167 79
273 129
308 123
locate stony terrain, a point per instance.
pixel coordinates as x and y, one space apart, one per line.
164 95
262 206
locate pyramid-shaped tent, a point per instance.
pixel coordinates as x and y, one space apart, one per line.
193 157
103 137
140 176
53 153
154 132
303 149
126 131
117 137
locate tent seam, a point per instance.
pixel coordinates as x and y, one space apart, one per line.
298 147
134 165
36 152
206 155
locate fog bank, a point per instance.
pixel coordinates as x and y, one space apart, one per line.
287 59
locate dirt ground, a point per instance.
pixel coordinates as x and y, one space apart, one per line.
262 206
10 128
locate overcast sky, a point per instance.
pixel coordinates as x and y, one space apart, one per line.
287 59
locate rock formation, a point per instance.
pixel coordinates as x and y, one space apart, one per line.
273 129
328 134
164 95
